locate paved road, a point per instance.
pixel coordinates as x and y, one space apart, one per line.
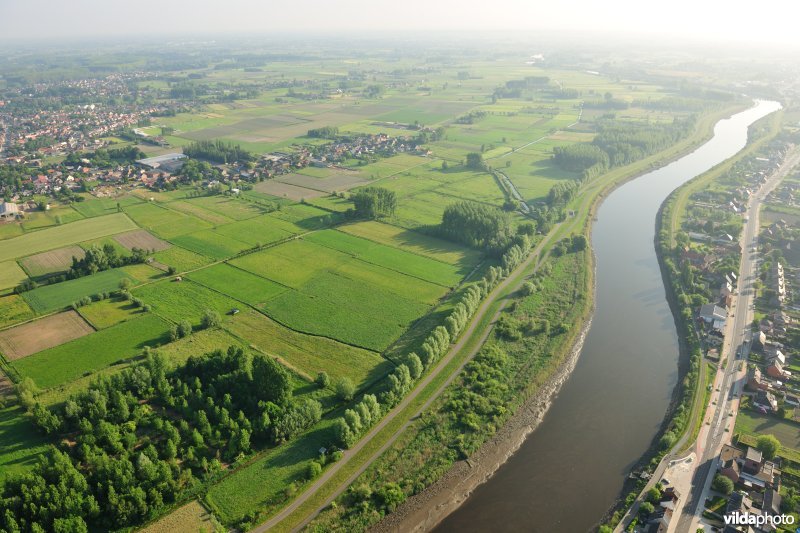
511 281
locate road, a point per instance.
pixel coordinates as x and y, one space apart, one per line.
466 338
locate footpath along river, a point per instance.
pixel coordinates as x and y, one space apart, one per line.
569 471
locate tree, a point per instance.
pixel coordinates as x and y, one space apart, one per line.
646 508
210 319
374 202
654 495
722 484
475 161
125 284
322 380
768 445
184 328
314 470
345 389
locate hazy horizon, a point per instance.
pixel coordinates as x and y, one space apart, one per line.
711 21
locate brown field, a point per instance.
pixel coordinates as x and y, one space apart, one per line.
339 181
287 190
57 260
141 239
190 518
22 341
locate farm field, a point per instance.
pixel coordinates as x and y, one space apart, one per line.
189 518
11 275
61 295
165 222
418 243
257 231
237 283
307 353
210 244
50 238
141 239
181 259
21 444
186 299
107 313
350 311
58 260
94 207
26 339
14 309
69 361
388 257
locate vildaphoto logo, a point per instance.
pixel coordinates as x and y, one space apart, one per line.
749 519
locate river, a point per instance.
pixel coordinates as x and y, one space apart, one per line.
572 467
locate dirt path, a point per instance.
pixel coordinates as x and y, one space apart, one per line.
466 338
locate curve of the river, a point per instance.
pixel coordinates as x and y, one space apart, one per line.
572 467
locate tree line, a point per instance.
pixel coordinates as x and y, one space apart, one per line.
218 151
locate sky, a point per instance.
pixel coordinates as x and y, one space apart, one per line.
765 21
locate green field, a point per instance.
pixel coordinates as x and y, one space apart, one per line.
258 231
50 238
179 300
418 243
307 353
14 309
93 207
107 313
21 444
69 361
350 311
411 264
237 283
165 222
210 244
11 275
61 295
751 423
181 259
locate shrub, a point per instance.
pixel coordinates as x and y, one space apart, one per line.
323 380
345 389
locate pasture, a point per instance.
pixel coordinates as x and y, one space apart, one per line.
164 222
50 238
14 309
182 259
69 361
179 300
189 518
257 231
237 283
11 275
211 244
388 257
107 313
287 190
350 311
54 330
21 445
60 295
58 260
309 354
415 242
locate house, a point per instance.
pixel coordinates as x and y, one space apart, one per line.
777 356
729 459
775 370
754 381
8 211
670 498
772 503
766 400
711 313
659 520
759 341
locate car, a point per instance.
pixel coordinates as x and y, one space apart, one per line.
664 481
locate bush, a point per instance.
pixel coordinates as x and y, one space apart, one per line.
722 484
210 319
323 380
345 390
314 470
184 328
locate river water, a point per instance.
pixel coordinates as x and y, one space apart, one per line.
572 467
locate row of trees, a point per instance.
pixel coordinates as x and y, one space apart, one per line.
105 158
373 203
138 440
477 225
218 151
